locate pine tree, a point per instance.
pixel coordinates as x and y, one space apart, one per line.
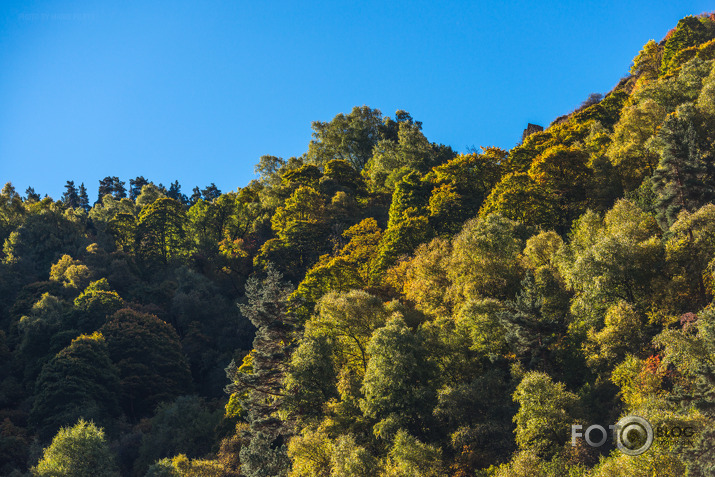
118 188
31 195
531 327
692 349
195 195
106 187
174 192
135 186
211 192
70 197
682 180
111 185
259 391
83 198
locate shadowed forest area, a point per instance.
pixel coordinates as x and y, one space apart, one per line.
381 305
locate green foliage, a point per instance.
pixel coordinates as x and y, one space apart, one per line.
410 193
401 239
148 355
148 195
265 454
182 466
162 232
351 268
689 250
95 304
518 197
79 382
78 451
71 273
301 229
37 329
692 349
426 283
350 459
185 426
104 211
41 240
310 454
462 185
207 222
393 158
484 260
546 413
397 381
629 151
690 31
706 98
563 173
621 334
646 66
528 260
409 457
348 137
536 320
11 211
682 180
611 259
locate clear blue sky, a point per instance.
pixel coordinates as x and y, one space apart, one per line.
198 91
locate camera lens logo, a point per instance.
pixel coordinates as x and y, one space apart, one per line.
634 435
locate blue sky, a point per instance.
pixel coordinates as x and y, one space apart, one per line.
198 91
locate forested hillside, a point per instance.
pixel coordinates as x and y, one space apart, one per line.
381 305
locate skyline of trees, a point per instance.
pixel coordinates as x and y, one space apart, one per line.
381 305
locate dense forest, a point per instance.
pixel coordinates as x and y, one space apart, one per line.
381 305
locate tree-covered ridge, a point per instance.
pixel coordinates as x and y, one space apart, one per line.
403 310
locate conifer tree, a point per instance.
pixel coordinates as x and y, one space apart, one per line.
260 390
135 186
174 192
195 195
211 192
70 197
31 195
83 198
682 180
106 187
118 188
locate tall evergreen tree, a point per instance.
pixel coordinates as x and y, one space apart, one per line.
682 181
31 195
70 197
260 391
111 185
118 188
531 326
211 192
106 187
135 186
195 195
83 197
174 192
